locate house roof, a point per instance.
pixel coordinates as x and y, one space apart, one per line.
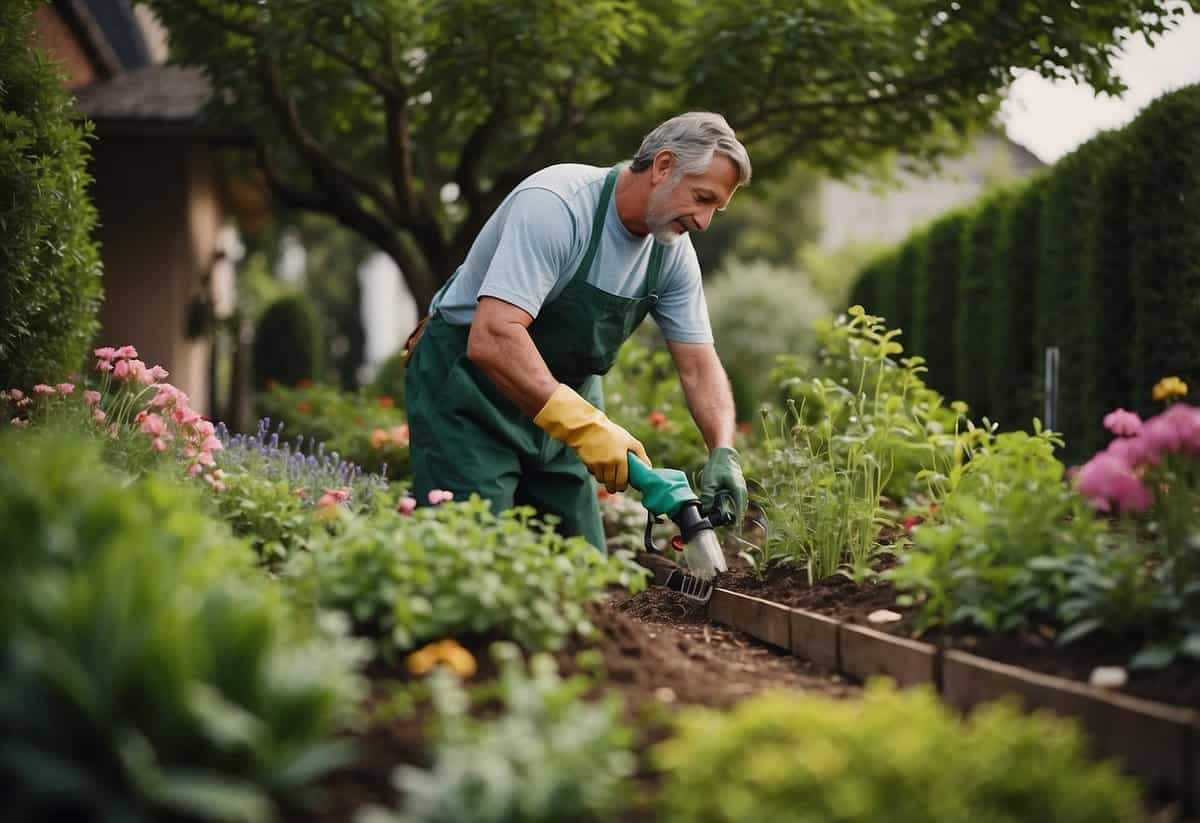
152 99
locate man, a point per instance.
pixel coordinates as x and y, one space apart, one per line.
503 388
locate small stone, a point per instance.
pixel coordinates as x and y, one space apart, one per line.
664 694
1108 677
884 616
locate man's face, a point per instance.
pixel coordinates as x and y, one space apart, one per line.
682 204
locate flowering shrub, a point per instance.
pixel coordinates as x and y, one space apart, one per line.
365 429
147 672
541 754
455 569
892 757
128 404
277 494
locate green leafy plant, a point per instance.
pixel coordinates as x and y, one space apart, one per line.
287 343
891 757
50 288
146 670
362 427
541 752
456 569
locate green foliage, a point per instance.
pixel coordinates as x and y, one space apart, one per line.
454 570
542 754
360 427
389 380
891 757
758 312
869 289
1014 362
287 343
899 291
1165 227
1003 509
935 302
270 513
50 288
972 332
642 393
367 110
146 672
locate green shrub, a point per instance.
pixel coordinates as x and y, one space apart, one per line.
868 290
1014 362
1165 227
898 292
892 757
361 427
972 333
287 343
389 380
546 756
146 671
453 570
757 312
50 288
936 300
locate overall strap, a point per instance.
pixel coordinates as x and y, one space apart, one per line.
652 270
610 183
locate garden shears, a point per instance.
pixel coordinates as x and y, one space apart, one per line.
666 492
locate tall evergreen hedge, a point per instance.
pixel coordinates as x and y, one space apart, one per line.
972 332
867 289
288 343
936 300
50 287
910 259
1014 367
1164 226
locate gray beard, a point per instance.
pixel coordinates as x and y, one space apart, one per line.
659 223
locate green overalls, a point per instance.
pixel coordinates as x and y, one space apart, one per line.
466 436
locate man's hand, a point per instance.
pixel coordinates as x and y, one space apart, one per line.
722 475
601 444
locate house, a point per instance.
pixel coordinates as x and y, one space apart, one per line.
157 182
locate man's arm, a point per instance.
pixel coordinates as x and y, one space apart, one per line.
707 390
500 345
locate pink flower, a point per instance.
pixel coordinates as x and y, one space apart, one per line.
1175 430
211 444
152 424
91 398
204 428
104 365
1107 478
98 415
125 352
195 469
438 496
1122 423
159 445
122 371
65 388
205 458
406 504
157 373
17 395
42 388
105 353
399 434
184 416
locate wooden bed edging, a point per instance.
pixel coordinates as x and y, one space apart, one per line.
1158 743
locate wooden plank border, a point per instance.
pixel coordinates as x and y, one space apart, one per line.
869 653
815 637
761 619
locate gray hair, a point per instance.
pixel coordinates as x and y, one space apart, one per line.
693 138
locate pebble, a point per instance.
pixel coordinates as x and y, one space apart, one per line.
883 616
1108 677
664 694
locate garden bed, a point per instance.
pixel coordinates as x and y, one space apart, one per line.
656 649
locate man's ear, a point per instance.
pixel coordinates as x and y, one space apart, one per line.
661 168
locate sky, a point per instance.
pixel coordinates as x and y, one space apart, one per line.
1051 118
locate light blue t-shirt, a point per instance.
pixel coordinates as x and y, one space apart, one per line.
529 249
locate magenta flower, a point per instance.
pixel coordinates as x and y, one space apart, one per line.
406 504
1177 429
1122 423
1106 478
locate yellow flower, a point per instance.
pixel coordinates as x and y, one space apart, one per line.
447 652
1169 387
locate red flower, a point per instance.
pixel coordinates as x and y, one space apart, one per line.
910 522
387 403
303 408
658 420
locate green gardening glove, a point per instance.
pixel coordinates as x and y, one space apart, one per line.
722 481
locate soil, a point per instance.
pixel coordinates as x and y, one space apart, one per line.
841 598
658 651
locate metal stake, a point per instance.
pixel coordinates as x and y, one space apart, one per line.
1051 411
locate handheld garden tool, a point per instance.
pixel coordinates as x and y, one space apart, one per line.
666 492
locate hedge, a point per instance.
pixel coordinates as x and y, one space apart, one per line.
936 301
972 332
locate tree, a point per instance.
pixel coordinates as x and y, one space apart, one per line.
409 120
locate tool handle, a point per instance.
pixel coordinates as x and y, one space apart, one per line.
641 476
723 511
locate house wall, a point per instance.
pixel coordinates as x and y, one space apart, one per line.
53 36
158 220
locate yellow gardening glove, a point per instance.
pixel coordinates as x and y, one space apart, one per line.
601 444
